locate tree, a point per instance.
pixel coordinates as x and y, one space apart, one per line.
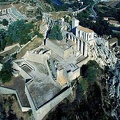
6 72
55 33
38 34
18 32
101 27
91 71
2 40
5 22
89 108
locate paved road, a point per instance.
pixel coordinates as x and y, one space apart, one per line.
93 11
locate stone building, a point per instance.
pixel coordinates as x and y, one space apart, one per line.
62 48
48 70
81 36
46 83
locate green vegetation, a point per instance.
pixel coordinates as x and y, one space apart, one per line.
39 17
64 6
103 10
55 33
88 2
18 32
2 39
39 14
10 109
73 5
101 27
30 112
6 72
91 71
5 22
48 1
89 108
88 101
38 34
83 86
106 11
6 0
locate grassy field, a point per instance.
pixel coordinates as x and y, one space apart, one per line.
32 45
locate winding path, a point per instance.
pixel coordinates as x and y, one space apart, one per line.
93 11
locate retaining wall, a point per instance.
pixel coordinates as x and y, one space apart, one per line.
47 107
4 90
21 71
41 112
39 58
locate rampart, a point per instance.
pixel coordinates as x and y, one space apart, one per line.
4 90
42 111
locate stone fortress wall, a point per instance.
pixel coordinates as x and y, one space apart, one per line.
4 90
74 74
21 71
42 111
30 56
48 106
84 42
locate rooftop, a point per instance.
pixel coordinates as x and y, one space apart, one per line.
63 44
85 29
41 91
42 87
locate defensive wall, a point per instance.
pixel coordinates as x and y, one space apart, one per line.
39 58
4 90
42 111
21 71
84 61
74 74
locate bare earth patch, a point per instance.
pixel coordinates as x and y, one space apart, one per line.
32 45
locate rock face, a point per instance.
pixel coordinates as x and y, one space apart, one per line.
114 91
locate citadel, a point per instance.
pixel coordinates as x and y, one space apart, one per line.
45 73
